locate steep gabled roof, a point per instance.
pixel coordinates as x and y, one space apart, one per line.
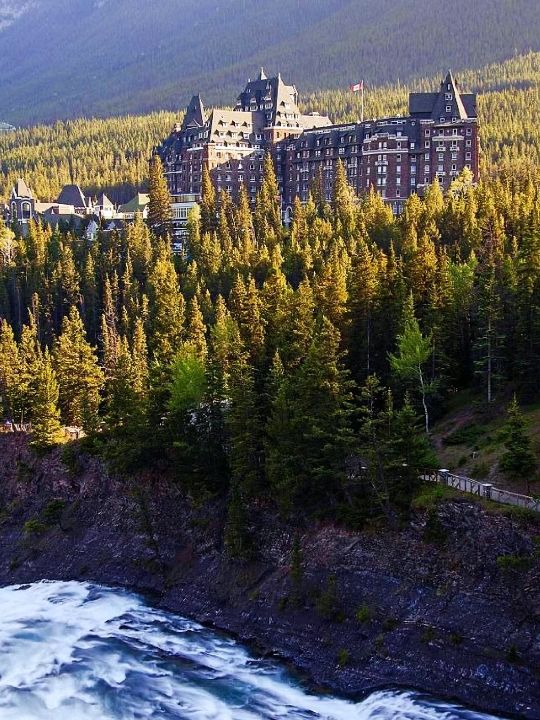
434 106
104 202
21 190
195 115
449 97
72 195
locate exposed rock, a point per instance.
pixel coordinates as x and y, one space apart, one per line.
430 606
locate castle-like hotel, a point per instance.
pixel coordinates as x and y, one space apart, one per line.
398 156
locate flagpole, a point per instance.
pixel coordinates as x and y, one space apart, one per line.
362 101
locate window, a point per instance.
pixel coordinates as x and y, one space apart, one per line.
441 157
467 156
398 169
468 143
454 156
426 169
454 167
413 145
469 131
448 96
398 181
448 108
426 156
427 144
454 131
426 133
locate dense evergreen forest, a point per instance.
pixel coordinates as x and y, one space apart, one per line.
112 154
302 367
130 56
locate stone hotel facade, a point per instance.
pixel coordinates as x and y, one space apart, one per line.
397 156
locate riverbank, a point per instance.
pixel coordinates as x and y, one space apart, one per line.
449 604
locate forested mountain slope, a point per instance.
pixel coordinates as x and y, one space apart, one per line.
112 154
67 58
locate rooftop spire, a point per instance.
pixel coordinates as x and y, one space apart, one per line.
195 115
262 75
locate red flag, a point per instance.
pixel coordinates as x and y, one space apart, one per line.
358 87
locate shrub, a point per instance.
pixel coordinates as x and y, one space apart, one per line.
480 471
514 562
466 435
343 657
34 527
52 513
327 603
434 530
363 614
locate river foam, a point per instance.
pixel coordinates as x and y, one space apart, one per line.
75 651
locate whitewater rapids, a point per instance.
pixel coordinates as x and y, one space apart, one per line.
75 651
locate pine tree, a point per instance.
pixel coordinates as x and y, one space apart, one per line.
413 352
166 308
46 427
79 376
196 329
519 462
9 372
159 209
208 202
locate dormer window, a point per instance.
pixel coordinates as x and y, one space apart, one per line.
448 96
448 108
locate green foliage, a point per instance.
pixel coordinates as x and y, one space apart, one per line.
34 527
514 562
364 614
188 381
52 512
434 531
518 460
343 658
327 604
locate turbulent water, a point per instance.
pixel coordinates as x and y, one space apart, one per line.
73 651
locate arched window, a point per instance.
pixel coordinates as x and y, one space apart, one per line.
13 211
26 211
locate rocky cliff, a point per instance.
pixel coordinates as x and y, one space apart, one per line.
449 604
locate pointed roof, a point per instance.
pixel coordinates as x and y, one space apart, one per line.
104 202
195 115
21 190
449 103
72 195
433 106
262 75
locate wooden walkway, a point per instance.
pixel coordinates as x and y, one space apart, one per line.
484 490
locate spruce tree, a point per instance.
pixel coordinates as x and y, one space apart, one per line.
519 461
79 376
46 426
159 209
9 372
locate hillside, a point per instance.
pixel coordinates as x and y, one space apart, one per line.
105 57
112 153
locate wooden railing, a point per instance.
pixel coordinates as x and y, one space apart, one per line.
482 489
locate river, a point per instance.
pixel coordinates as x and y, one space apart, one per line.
75 651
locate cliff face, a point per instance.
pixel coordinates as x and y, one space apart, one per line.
449 604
